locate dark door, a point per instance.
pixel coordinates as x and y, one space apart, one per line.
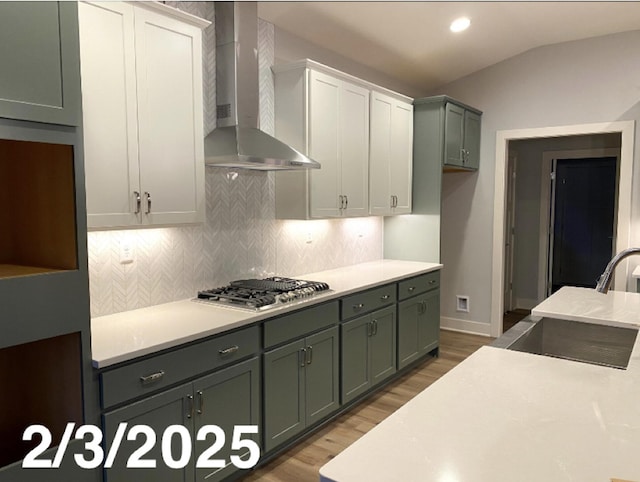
584 216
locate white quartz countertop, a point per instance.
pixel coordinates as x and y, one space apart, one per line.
584 304
127 335
503 415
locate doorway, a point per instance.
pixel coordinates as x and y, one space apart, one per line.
582 229
503 138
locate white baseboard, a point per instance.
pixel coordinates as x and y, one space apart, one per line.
465 326
526 303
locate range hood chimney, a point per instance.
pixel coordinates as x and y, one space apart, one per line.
238 141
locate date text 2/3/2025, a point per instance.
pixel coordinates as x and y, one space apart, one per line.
172 458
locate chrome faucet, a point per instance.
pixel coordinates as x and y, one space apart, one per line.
605 278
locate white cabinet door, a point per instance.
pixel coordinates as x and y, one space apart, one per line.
109 113
324 145
401 159
142 109
354 117
169 88
338 134
391 155
380 201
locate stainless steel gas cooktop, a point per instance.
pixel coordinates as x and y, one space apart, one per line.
262 294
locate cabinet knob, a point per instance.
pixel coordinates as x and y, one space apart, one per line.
432 281
411 289
384 298
358 307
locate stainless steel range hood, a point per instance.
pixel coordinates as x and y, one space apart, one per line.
238 141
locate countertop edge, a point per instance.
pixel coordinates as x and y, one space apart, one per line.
249 317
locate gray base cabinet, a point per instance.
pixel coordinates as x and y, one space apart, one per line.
225 398
368 352
40 62
418 326
300 385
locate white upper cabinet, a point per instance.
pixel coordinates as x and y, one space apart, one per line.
340 121
391 155
325 116
141 74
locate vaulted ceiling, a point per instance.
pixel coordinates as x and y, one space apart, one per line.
411 41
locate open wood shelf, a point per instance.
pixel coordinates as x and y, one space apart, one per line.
13 270
37 208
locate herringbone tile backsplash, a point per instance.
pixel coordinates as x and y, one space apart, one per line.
240 237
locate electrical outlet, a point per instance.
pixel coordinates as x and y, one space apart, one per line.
462 303
126 252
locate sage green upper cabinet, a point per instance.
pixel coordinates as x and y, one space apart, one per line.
391 156
141 70
325 115
455 128
40 78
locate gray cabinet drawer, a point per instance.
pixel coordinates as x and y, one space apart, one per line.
300 323
152 374
367 301
419 284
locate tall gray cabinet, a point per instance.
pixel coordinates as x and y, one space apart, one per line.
446 138
45 356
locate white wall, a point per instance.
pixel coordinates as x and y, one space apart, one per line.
587 81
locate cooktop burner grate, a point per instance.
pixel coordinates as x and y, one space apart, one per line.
259 294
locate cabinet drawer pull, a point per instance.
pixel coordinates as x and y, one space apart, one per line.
432 281
148 196
358 306
229 351
384 298
303 356
191 406
375 327
309 354
346 201
154 377
411 289
200 402
136 194
341 199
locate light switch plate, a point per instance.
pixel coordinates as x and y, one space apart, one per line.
126 252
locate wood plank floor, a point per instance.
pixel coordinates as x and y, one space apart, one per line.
302 463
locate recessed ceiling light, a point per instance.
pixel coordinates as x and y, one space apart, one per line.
460 24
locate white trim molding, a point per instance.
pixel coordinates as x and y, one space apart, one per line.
627 129
465 326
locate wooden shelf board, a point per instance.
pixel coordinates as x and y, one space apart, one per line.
14 270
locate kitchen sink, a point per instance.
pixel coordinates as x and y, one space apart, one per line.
609 346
